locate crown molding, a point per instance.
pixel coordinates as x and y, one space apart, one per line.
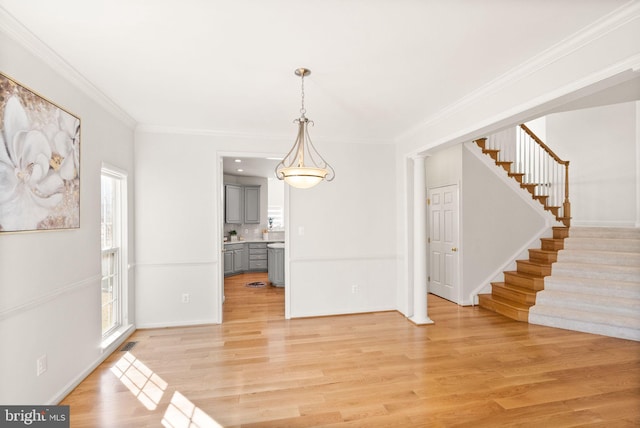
592 32
19 33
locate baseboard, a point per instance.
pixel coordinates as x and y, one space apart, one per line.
56 399
177 324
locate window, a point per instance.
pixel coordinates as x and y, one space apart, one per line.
275 208
113 232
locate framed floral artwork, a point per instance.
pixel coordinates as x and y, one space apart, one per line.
39 162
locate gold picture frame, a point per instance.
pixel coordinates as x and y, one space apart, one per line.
39 162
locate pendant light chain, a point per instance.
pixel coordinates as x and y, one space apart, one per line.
302 109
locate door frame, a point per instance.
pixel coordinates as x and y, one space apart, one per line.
219 241
457 291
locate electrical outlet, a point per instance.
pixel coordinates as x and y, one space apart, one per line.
41 365
355 289
186 298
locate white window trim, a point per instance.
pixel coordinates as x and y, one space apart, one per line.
113 171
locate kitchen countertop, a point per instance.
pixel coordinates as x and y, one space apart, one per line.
253 241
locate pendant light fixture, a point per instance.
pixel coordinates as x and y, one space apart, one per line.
303 167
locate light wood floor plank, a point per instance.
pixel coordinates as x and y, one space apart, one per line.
471 368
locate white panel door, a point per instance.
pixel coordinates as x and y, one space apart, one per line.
443 246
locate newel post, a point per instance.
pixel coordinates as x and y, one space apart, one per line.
566 206
419 243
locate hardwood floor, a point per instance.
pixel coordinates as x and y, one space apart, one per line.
471 368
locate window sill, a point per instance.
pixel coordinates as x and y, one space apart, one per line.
115 337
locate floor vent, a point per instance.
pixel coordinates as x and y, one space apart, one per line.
128 346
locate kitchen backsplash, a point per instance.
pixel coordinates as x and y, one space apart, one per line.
253 232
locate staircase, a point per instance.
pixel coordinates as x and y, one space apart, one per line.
545 176
595 285
513 297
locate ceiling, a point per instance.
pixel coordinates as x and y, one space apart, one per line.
250 166
378 67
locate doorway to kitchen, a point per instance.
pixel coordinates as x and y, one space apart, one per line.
252 213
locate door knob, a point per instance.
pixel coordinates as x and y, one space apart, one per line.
454 249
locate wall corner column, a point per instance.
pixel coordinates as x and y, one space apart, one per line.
420 316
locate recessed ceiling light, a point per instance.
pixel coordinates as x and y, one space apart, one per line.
238 160
239 169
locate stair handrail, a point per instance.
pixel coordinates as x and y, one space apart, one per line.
534 165
566 205
543 145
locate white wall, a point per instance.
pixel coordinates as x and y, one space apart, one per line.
50 281
349 229
349 235
600 143
499 220
176 214
444 167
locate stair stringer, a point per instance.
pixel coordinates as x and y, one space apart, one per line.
545 231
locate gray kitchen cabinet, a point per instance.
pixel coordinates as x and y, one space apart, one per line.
241 204
258 257
228 262
276 266
236 259
239 264
252 204
233 204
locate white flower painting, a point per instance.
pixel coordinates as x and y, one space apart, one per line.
39 162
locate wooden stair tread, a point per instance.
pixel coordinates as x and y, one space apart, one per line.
513 292
515 288
549 256
524 280
534 267
481 142
552 243
518 176
523 274
533 262
509 308
560 232
506 165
